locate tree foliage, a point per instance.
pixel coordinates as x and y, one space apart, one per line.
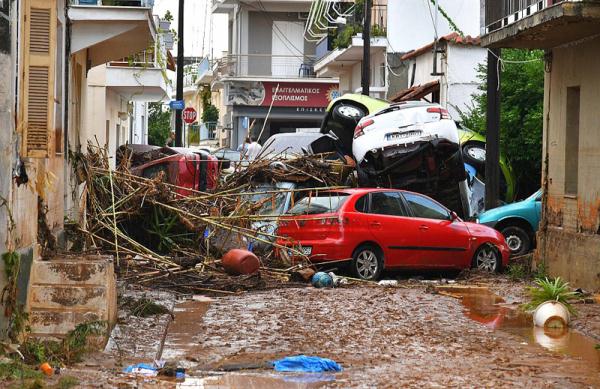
159 124
210 114
521 107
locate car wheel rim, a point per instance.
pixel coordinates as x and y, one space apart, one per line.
349 111
487 259
514 243
476 153
366 264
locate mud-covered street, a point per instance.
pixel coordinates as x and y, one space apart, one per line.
412 335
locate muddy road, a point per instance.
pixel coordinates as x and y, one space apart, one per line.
385 337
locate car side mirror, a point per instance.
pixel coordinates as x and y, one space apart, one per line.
453 216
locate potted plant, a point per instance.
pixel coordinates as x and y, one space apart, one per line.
550 303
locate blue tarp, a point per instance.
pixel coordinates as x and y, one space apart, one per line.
303 363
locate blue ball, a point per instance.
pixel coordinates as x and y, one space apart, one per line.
322 280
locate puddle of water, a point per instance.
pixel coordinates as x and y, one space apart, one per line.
248 381
485 307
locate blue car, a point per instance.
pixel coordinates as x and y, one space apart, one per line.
518 222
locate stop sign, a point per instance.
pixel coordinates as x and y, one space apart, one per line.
189 115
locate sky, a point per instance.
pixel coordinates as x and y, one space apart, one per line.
197 24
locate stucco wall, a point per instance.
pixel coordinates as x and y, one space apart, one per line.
570 244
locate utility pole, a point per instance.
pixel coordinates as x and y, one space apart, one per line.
179 94
492 154
366 63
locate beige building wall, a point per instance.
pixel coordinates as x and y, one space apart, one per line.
570 236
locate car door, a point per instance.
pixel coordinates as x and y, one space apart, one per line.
442 242
389 225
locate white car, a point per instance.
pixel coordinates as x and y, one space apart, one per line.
413 145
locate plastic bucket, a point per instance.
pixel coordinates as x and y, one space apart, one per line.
238 262
551 314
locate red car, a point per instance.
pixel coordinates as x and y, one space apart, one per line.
184 167
380 229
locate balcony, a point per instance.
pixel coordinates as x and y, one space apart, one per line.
109 32
138 76
117 3
261 66
539 24
342 59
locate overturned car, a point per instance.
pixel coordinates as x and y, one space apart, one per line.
413 145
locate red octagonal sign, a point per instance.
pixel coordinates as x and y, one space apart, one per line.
189 115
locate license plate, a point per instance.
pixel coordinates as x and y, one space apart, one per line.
403 135
306 250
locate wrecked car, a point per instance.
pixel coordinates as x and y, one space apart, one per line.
186 168
377 229
413 145
344 113
518 222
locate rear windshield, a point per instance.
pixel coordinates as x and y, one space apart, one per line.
323 203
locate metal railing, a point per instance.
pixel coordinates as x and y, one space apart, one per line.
143 59
266 65
117 3
501 13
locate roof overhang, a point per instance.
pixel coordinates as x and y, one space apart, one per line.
416 92
109 33
551 27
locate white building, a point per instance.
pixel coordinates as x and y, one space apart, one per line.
119 90
268 61
452 81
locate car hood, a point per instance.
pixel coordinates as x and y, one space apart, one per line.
513 209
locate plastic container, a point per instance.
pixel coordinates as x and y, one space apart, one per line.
238 262
46 369
551 314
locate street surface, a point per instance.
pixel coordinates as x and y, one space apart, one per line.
386 337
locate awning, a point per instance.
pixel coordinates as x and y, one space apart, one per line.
110 33
416 92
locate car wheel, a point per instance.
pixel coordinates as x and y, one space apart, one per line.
517 239
474 154
367 263
487 258
348 114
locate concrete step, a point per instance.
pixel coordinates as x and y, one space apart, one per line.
68 291
88 270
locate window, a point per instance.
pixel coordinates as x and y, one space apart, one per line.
572 141
323 203
425 208
362 204
387 203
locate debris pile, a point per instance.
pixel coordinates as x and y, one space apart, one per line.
164 239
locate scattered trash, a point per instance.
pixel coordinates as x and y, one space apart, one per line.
388 283
47 369
238 262
322 280
305 274
307 364
551 314
337 280
143 369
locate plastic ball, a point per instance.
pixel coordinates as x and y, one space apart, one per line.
322 280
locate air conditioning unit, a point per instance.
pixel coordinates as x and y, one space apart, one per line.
303 15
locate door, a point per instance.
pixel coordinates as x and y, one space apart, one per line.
442 241
392 229
287 48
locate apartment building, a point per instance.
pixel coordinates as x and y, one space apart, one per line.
569 32
268 70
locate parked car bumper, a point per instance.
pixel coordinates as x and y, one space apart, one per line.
324 250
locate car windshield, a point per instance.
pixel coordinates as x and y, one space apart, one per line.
323 203
272 203
288 144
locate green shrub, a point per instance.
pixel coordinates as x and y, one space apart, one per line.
550 290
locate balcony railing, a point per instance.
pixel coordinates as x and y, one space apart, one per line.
501 13
144 59
266 65
118 3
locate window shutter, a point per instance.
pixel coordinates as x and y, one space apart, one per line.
39 59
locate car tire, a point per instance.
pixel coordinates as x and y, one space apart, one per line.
487 258
471 151
367 263
348 114
517 239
